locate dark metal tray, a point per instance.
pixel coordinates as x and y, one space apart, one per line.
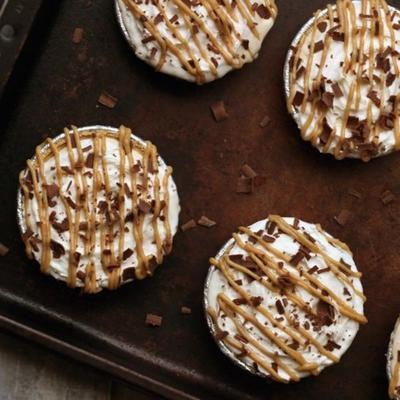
57 83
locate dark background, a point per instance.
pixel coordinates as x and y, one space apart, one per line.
57 83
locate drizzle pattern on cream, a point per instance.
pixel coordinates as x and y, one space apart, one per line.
100 208
197 40
344 80
285 297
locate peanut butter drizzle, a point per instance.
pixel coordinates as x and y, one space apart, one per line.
353 63
112 258
223 18
272 272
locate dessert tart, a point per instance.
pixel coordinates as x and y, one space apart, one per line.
196 40
342 79
393 363
284 299
97 207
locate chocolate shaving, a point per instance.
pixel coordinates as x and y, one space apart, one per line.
390 79
220 335
188 225
337 36
263 12
3 250
218 111
285 282
319 46
245 44
247 171
298 99
153 320
387 197
126 254
128 274
89 160
240 301
57 249
158 18
313 269
77 35
343 217
331 345
256 300
279 307
144 207
107 100
206 222
186 310
295 260
325 313
336 90
327 99
373 96
27 234
52 191
322 26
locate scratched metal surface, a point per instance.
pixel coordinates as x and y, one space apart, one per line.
58 83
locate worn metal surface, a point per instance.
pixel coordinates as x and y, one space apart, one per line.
16 19
61 86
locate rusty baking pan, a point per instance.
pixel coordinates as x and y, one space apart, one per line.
179 359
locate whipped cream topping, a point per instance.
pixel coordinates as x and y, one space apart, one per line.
99 208
344 80
285 298
196 40
394 363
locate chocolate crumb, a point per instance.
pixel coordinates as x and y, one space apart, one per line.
3 249
247 171
279 307
218 110
343 217
153 320
126 254
77 35
265 121
107 100
206 222
188 225
387 197
263 12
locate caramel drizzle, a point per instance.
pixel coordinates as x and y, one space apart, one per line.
267 262
354 39
223 18
111 258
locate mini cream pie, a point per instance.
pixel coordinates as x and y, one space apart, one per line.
344 80
196 40
99 208
393 363
284 299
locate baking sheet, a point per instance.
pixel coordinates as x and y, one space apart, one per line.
180 359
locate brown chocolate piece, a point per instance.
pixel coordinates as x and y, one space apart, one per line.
107 100
57 249
285 282
247 171
336 90
153 320
325 312
343 217
89 160
77 35
126 254
218 111
263 12
256 300
158 18
3 249
220 335
240 301
373 96
298 99
186 310
144 206
322 26
188 225
387 197
279 307
319 46
206 222
128 274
